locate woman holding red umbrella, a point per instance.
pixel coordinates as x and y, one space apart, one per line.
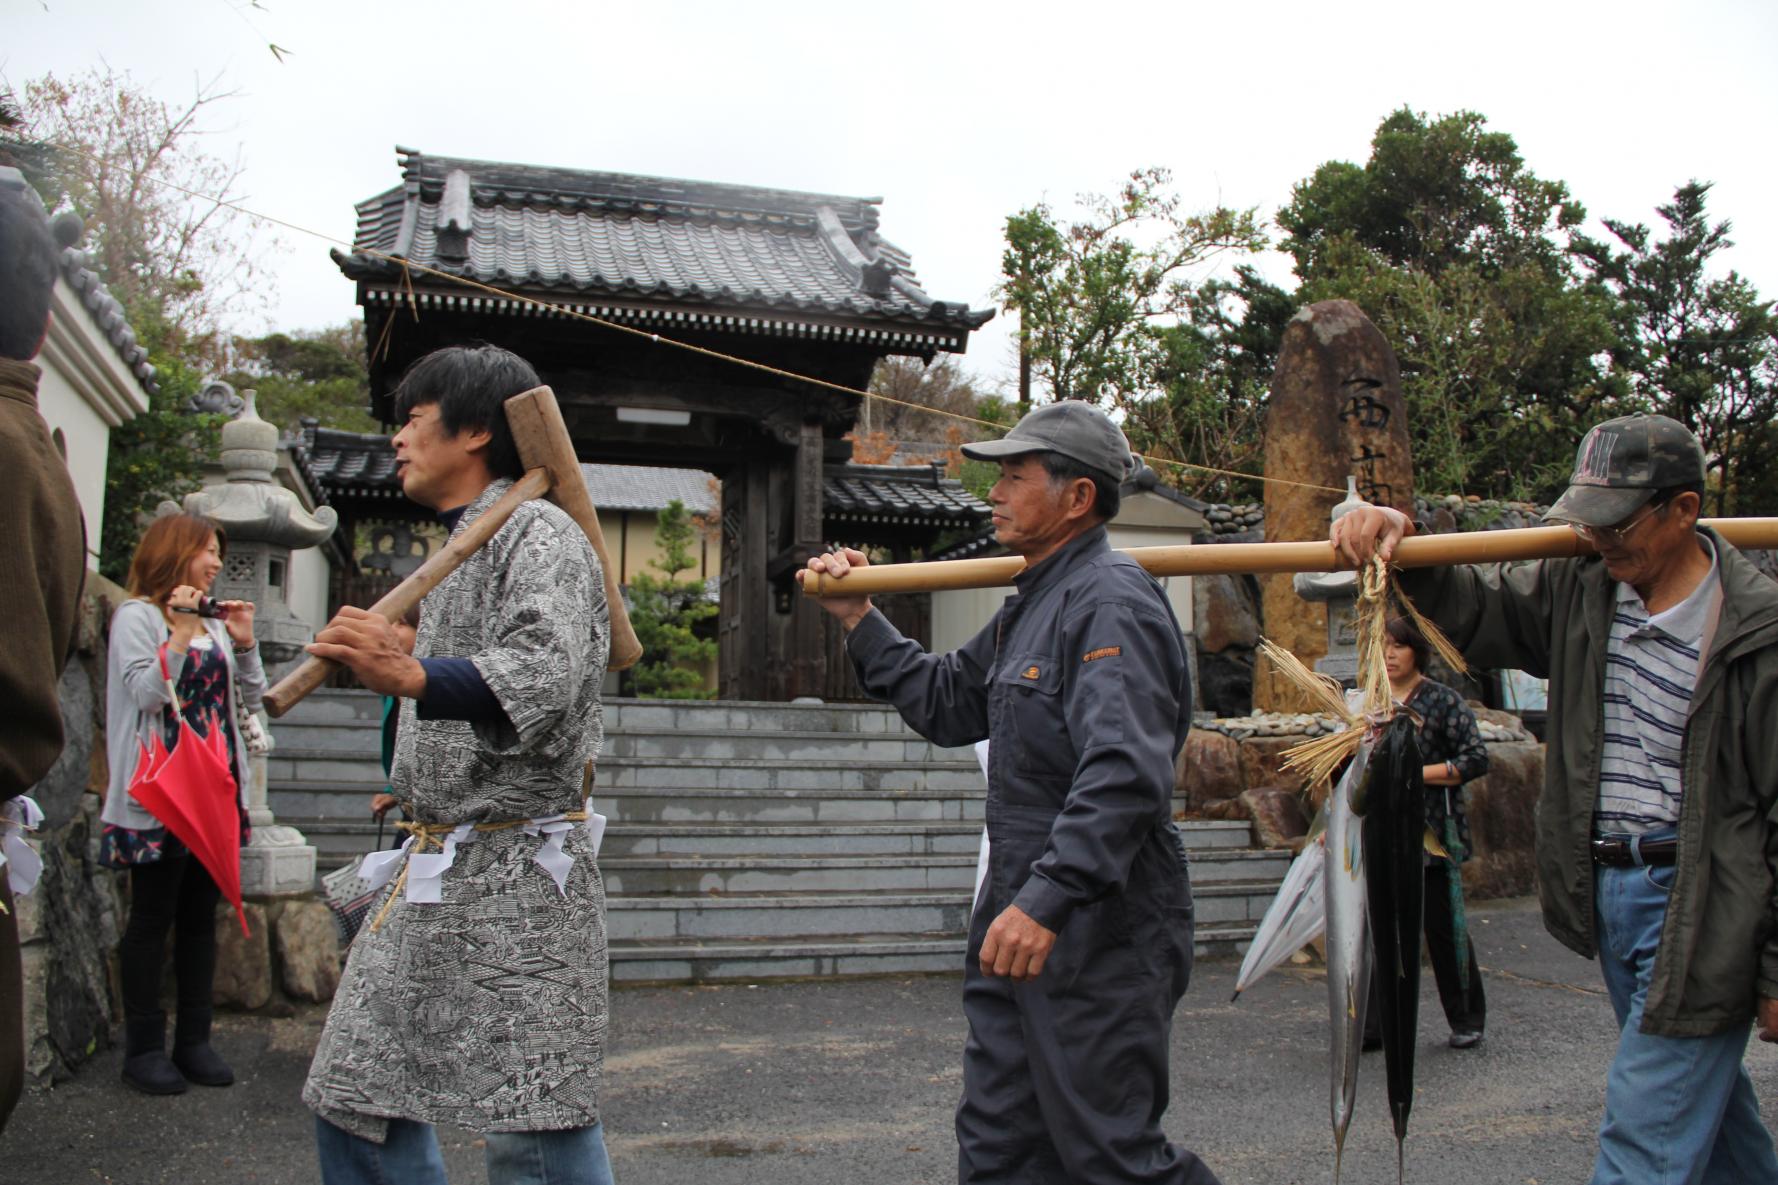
213 661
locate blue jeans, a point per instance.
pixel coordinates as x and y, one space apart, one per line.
1678 1110
409 1156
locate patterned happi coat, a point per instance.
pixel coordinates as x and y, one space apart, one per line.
487 1010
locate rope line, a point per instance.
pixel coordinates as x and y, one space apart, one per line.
408 266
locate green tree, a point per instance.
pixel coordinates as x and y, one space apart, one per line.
666 611
1461 256
1214 372
153 458
319 373
1094 294
1700 348
1434 194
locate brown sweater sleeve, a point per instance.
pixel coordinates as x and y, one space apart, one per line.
43 540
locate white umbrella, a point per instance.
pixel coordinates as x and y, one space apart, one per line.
1296 917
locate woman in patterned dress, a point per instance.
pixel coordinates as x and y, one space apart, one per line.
174 566
1452 747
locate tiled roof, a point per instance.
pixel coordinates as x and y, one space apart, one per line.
108 314
362 463
978 546
638 487
669 252
899 494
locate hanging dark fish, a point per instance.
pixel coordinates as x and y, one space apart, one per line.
1394 808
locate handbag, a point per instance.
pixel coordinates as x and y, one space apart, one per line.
349 895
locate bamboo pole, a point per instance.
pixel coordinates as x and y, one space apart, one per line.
1419 551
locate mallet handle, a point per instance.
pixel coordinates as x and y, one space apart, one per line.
542 439
1420 551
394 605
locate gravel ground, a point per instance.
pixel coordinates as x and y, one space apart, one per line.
786 1083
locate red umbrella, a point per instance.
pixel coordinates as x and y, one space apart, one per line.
190 790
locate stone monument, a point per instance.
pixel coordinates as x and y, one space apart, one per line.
265 522
1336 411
1338 591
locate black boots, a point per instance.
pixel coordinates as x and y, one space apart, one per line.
145 1063
147 1067
192 1053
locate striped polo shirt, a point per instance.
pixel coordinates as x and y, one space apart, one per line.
1651 669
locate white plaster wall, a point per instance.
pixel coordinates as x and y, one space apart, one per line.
309 575
88 441
1178 588
959 615
85 391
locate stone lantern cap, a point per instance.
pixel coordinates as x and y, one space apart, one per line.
251 506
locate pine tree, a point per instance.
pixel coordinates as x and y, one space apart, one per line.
665 611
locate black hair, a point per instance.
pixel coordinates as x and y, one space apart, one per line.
470 385
1107 494
1405 633
27 272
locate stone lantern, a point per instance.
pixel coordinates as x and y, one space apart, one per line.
1339 591
264 522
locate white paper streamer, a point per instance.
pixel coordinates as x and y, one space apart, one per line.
550 857
23 865
425 870
379 867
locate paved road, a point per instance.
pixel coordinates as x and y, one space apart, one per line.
784 1084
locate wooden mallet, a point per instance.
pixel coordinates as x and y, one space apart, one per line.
552 471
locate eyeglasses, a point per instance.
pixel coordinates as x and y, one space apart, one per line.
1615 536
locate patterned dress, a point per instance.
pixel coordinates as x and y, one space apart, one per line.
486 1008
203 688
1448 732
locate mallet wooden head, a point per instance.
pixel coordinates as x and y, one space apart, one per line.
543 443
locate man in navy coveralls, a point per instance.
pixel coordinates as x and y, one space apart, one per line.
1081 941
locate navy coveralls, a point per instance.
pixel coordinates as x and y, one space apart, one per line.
1080 682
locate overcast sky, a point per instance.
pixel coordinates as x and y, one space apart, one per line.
955 113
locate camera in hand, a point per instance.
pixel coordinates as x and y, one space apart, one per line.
207 607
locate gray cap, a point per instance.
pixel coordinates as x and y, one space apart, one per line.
1622 463
1070 427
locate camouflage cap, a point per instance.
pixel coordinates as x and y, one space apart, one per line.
1071 427
1620 466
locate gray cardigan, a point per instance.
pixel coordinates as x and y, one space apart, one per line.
136 695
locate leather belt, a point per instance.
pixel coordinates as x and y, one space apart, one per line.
1628 853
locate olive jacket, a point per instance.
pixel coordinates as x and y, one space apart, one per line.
1719 944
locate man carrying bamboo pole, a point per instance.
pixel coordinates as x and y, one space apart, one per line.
476 995
1657 843
1080 944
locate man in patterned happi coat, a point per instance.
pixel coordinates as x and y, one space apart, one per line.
476 994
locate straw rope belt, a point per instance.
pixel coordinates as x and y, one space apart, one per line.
424 834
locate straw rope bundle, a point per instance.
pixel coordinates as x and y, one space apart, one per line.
1319 758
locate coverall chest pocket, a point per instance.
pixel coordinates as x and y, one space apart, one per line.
1029 693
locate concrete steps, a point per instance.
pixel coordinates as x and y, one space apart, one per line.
759 840
858 954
